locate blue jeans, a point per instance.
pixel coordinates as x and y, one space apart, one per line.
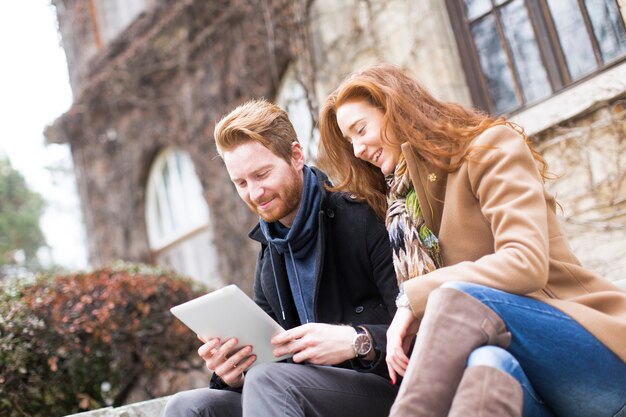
563 369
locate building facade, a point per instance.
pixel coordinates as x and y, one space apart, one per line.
151 78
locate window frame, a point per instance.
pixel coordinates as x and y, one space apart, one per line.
163 235
547 40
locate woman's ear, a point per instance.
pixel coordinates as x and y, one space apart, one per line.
297 156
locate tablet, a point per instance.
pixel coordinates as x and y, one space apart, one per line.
229 312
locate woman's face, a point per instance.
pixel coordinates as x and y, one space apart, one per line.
361 124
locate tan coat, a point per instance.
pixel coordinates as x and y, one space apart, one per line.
498 228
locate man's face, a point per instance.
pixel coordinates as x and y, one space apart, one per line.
269 185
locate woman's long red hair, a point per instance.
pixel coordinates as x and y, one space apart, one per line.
438 131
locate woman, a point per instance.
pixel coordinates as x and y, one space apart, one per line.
514 325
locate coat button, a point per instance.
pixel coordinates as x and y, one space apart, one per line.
359 309
330 213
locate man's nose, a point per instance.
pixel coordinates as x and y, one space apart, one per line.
256 192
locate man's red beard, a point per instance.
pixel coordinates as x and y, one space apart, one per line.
288 201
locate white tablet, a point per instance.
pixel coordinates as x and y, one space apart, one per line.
229 312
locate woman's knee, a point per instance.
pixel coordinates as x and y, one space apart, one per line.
495 357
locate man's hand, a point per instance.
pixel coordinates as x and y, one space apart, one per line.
399 336
316 343
226 362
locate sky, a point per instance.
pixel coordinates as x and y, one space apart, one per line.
34 91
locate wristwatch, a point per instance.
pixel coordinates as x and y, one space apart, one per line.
362 343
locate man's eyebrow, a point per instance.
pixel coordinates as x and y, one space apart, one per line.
256 171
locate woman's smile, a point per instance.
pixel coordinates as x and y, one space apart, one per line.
377 155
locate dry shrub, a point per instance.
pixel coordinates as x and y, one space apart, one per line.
81 341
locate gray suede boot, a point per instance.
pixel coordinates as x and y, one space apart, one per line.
454 324
487 392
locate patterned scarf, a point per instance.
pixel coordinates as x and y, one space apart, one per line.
415 248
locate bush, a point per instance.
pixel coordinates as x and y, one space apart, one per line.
69 343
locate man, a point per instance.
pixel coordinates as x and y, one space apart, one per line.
324 273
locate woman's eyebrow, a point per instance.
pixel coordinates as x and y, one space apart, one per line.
353 124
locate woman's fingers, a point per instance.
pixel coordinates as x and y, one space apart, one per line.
401 361
397 360
396 365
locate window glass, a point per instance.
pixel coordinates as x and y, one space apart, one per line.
292 98
177 219
573 37
476 8
523 45
608 27
526 50
494 64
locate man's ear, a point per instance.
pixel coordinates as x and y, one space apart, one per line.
297 155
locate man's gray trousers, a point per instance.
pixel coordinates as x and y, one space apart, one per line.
290 390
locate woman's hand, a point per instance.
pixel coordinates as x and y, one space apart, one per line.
316 343
226 362
399 336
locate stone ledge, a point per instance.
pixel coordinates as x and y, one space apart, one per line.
150 408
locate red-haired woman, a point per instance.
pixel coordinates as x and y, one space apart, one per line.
509 321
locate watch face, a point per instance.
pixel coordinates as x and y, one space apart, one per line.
362 344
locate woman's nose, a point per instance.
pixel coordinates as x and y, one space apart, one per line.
358 149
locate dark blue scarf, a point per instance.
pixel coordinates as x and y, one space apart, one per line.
298 243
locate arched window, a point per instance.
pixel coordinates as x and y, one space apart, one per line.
177 217
292 98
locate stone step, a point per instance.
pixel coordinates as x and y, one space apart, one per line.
150 408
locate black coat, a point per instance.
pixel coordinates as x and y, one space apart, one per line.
356 284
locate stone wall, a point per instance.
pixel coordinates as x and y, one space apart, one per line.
581 133
165 82
417 36
76 25
588 156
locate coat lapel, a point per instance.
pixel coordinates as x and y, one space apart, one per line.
430 187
